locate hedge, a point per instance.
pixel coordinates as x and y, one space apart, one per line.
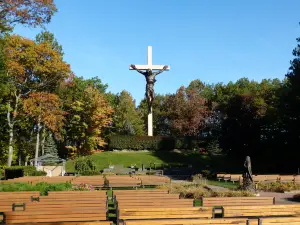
20 171
155 143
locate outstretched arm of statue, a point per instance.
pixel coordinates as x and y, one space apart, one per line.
160 71
134 67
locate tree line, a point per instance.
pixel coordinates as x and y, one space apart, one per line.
43 103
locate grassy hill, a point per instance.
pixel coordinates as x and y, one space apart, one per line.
103 159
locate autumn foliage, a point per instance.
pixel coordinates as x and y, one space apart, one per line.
45 108
33 64
187 112
28 12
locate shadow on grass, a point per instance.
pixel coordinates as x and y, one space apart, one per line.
199 161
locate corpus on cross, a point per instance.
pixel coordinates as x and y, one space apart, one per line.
150 79
148 72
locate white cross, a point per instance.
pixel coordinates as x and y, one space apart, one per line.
149 65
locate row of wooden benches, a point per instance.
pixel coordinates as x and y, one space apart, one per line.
221 221
260 178
98 181
146 206
143 205
66 206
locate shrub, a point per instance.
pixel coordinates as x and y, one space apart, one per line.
155 143
196 191
296 197
43 188
84 164
19 171
13 172
90 173
278 187
83 187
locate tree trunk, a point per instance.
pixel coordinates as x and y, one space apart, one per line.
43 140
20 157
11 119
37 142
10 146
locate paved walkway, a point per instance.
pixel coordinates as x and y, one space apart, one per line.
280 198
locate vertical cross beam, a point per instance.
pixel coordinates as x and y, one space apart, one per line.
150 56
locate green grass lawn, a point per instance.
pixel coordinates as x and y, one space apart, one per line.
103 159
224 184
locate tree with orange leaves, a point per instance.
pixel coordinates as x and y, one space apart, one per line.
30 67
87 117
187 112
44 108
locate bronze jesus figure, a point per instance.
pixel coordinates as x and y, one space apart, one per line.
150 79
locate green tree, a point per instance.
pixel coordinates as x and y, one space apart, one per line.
161 123
289 108
127 119
48 37
29 67
50 146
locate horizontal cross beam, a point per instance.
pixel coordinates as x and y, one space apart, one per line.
152 67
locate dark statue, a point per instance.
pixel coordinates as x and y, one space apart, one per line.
150 79
248 184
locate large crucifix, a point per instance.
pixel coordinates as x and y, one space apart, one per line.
148 72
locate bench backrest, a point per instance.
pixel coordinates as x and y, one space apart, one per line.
134 192
259 211
279 221
232 201
165 213
240 221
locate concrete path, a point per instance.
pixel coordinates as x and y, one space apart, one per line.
217 188
280 198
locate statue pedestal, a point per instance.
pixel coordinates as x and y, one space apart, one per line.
248 185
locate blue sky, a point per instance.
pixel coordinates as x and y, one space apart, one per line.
210 40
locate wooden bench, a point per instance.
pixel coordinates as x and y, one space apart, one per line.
259 211
297 179
286 178
259 178
122 181
96 181
150 180
68 193
232 201
279 221
227 177
236 178
220 176
151 203
41 216
272 178
74 223
164 213
144 197
134 192
239 221
19 194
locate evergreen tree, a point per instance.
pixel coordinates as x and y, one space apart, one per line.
213 148
50 146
